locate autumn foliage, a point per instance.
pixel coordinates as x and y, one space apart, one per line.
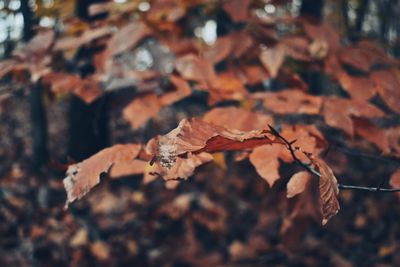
258 105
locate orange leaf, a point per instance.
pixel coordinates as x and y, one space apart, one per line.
244 120
297 183
83 176
272 59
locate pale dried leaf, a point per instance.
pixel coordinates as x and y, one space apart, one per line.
83 176
328 190
297 183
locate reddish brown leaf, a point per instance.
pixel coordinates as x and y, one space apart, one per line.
127 37
252 74
61 83
221 49
133 167
37 46
272 59
297 47
374 134
237 9
69 43
338 112
197 136
193 68
226 86
265 160
325 33
141 109
291 102
388 84
244 120
357 58
183 167
83 176
297 183
359 88
328 190
182 90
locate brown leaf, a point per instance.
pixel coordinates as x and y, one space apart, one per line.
37 46
141 109
356 57
297 183
127 37
238 10
272 59
244 120
297 47
70 43
226 86
83 176
197 136
328 190
338 112
374 134
265 160
191 67
325 33
130 168
183 167
291 102
182 90
359 88
221 49
388 84
61 83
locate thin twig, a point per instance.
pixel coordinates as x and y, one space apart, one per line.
308 167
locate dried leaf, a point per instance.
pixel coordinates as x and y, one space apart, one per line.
127 37
297 183
265 160
191 67
244 120
237 9
226 86
37 46
388 84
272 59
130 168
338 112
359 88
83 176
324 33
182 90
141 109
356 57
183 167
328 190
197 136
291 102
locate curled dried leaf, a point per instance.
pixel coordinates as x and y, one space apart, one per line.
83 176
328 190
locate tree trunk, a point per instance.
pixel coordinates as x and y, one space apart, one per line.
39 127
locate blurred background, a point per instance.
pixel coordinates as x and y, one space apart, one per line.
225 215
